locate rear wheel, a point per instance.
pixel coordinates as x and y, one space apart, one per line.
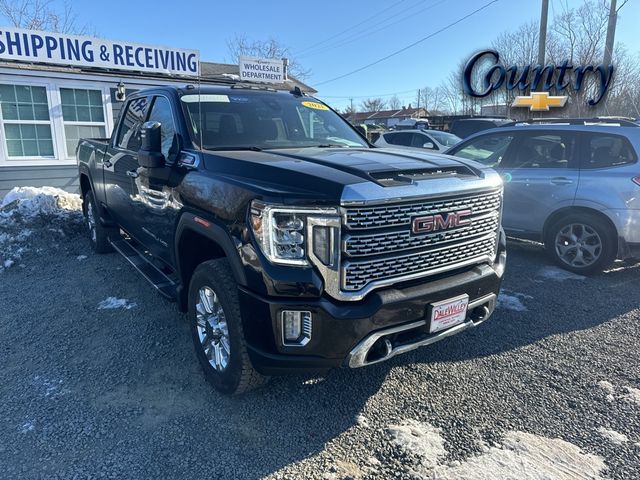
216 329
98 233
582 243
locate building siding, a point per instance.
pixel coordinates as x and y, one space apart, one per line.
64 177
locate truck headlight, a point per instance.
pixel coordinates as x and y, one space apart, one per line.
282 233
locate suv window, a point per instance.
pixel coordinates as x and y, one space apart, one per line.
403 138
419 140
132 119
608 151
544 150
161 112
488 149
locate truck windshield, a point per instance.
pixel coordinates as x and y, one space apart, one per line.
264 120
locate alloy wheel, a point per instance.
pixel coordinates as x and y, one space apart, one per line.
213 332
578 245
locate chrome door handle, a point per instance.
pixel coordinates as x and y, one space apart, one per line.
132 173
561 181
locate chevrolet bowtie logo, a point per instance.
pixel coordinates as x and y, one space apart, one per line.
539 101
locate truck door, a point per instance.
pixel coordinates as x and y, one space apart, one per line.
541 175
121 161
154 209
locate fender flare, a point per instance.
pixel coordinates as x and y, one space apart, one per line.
216 234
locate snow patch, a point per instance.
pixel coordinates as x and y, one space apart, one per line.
113 302
524 456
362 421
558 274
31 201
613 436
632 395
421 439
512 301
27 427
81 257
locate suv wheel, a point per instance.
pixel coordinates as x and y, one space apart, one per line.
98 233
582 243
216 329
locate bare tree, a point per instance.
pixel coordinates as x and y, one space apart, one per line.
42 15
395 103
270 48
373 105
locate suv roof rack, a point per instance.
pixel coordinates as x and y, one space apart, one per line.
613 121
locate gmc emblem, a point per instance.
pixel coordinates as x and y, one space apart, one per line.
440 221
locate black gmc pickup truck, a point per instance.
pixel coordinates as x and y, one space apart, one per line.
292 243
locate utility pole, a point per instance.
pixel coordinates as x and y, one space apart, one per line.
352 110
542 37
419 98
611 33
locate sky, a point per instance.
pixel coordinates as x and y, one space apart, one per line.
333 38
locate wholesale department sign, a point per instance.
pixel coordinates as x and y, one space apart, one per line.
61 49
267 70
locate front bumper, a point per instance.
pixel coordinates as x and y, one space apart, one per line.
342 331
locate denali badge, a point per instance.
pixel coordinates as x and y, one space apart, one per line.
440 221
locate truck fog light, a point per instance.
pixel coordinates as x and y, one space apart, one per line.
296 327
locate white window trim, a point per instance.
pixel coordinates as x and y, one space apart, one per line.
4 148
106 99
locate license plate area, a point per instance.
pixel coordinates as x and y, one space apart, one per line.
448 313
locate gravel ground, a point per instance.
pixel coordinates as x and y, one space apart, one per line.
99 380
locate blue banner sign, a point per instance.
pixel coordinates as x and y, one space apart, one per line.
60 49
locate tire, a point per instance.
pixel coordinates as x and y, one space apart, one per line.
582 243
219 339
98 233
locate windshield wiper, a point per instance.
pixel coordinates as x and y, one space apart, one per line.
252 148
330 145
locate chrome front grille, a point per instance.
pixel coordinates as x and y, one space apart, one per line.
402 239
358 218
378 247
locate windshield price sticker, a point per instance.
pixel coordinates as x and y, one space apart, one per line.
315 105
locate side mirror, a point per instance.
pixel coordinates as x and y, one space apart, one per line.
362 130
150 153
429 145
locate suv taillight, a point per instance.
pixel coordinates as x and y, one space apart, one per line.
636 180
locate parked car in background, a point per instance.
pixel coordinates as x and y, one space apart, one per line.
574 186
466 127
412 124
424 139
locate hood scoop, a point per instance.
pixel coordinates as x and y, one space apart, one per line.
397 178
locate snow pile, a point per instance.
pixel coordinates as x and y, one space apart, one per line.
632 395
512 301
613 436
421 439
44 209
524 456
31 201
111 303
558 274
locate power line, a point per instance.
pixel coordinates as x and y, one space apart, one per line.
408 46
349 29
364 33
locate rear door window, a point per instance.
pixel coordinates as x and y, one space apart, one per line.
130 124
544 150
403 138
487 149
605 151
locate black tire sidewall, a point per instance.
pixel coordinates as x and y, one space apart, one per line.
207 274
605 231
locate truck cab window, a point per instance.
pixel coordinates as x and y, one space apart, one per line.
161 112
132 120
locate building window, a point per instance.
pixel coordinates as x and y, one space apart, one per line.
25 115
83 116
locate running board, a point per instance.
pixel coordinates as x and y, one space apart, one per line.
148 270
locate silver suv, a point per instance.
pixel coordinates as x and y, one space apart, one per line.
574 186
